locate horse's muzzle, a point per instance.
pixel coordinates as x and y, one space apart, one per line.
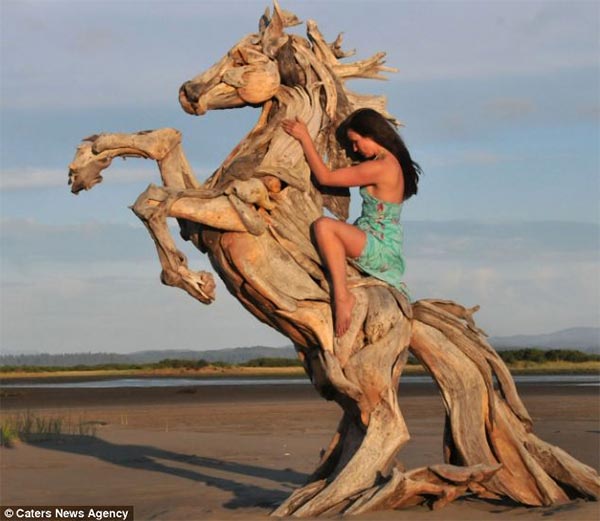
189 98
192 91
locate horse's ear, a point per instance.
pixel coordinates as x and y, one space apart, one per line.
288 19
264 21
273 36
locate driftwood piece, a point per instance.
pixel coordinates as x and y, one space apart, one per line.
253 218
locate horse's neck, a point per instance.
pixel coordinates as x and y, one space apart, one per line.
267 148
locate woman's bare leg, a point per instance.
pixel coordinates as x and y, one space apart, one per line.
337 240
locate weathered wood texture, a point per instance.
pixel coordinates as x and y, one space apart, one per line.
253 218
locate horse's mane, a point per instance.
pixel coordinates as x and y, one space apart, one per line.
313 85
337 100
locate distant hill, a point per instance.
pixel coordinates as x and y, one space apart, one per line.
64 359
586 339
233 356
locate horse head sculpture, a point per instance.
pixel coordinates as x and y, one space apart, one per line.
253 218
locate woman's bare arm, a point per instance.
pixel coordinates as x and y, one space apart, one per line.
367 173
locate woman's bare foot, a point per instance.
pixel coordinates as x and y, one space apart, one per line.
343 306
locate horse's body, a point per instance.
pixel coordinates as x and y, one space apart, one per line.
253 218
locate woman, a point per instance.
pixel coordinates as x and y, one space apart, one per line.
387 176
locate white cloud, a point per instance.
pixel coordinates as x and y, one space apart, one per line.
463 158
107 249
116 54
27 178
509 108
590 112
522 274
31 178
516 297
119 172
97 286
79 311
437 41
62 286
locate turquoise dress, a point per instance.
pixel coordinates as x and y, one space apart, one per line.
382 256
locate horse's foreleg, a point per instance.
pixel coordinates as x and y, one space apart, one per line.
96 153
192 208
152 207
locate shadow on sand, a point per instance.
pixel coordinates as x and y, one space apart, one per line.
154 459
245 495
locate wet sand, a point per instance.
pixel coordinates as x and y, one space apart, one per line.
231 452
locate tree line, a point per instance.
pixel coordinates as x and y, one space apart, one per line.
167 363
510 356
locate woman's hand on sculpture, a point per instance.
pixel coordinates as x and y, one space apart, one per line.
296 128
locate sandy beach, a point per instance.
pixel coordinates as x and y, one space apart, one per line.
235 452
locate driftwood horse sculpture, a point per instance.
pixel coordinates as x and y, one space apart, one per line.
253 218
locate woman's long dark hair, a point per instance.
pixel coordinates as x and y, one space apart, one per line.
370 123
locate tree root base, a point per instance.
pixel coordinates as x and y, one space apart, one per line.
436 485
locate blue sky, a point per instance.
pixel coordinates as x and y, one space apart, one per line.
501 107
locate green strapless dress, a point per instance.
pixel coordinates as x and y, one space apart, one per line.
382 256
